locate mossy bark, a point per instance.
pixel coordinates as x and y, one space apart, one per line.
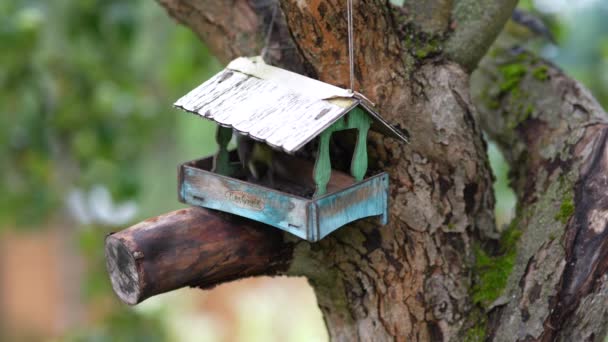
553 133
418 279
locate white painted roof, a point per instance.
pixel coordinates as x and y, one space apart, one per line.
280 108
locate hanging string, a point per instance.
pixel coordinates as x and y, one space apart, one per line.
351 44
269 31
351 48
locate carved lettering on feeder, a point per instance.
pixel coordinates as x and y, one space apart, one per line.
245 200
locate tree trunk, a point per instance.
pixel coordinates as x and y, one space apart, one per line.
441 270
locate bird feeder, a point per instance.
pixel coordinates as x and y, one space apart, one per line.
285 111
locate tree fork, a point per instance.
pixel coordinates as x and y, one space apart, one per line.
191 247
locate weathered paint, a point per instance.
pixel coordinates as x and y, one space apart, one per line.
237 197
310 219
364 199
221 161
356 119
322 171
280 108
361 121
256 67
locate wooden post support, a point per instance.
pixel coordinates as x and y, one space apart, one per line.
191 247
362 122
357 119
322 171
221 161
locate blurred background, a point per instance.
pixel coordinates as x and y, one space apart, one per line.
89 144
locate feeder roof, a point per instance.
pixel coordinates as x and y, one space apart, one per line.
278 107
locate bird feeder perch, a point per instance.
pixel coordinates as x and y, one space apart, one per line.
285 111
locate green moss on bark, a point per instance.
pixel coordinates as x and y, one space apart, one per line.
492 272
508 90
566 209
478 332
512 74
419 44
541 73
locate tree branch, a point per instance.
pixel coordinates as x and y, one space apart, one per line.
555 136
238 28
431 16
191 247
476 25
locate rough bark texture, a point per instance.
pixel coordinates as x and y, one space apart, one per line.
554 134
476 23
422 277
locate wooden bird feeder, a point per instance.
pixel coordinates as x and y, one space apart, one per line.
286 111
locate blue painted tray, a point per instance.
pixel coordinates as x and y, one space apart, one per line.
308 218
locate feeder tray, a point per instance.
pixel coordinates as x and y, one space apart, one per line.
289 209
285 111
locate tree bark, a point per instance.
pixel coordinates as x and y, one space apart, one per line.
554 134
421 277
190 247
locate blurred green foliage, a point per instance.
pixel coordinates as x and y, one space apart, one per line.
85 92
583 48
581 31
122 326
85 99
